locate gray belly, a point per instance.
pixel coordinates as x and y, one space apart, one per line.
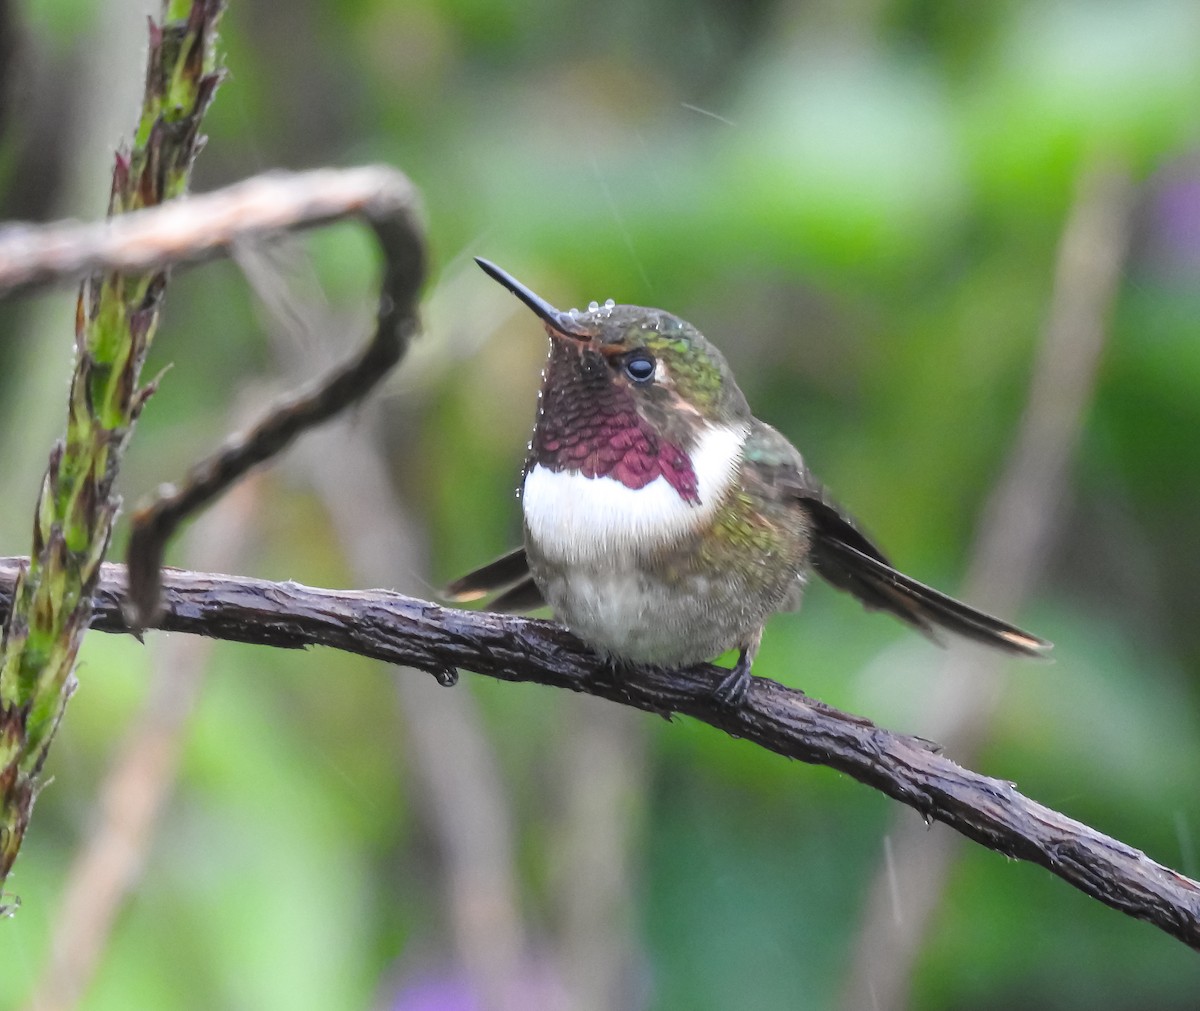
627 612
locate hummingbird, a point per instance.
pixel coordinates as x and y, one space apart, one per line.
663 523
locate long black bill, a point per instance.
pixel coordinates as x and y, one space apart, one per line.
560 321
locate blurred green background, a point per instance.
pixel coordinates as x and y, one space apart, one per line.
862 204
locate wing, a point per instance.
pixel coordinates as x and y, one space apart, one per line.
509 573
846 557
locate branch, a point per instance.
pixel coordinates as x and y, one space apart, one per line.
404 630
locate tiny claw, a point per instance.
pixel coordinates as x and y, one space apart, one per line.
447 677
731 690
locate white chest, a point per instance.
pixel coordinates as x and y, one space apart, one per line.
580 520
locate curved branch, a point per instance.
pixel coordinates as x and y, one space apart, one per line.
387 202
200 228
404 630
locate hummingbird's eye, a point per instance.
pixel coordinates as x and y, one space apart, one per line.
640 367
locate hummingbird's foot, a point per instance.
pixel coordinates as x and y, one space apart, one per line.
731 689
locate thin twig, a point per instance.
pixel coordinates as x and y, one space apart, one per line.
439 640
601 766
387 202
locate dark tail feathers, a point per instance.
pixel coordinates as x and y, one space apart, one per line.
509 573
878 585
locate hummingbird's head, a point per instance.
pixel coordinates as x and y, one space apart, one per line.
629 393
665 364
